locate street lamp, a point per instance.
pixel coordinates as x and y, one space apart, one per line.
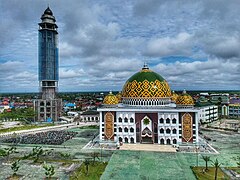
197 148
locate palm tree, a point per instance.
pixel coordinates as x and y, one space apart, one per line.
87 162
15 166
9 151
206 159
49 170
216 164
95 155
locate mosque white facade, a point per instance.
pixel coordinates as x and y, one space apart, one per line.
147 111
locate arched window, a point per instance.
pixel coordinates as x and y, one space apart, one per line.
132 140
161 120
168 131
161 130
126 140
131 130
125 129
120 139
48 103
174 121
174 131
119 129
125 119
41 103
174 141
131 120
168 141
168 121
162 141
119 119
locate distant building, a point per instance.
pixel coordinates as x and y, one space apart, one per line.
234 111
148 113
208 112
69 106
49 106
89 116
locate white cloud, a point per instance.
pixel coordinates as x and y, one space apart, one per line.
167 46
103 44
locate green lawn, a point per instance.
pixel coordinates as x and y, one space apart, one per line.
26 127
158 165
209 175
89 127
95 171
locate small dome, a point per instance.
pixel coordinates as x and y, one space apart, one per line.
185 99
48 11
174 96
146 84
110 99
119 96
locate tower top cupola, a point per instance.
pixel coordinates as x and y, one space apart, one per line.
48 20
145 66
48 11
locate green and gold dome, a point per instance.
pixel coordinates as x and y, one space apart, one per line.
185 99
110 99
146 84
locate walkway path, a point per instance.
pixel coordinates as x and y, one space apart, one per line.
49 128
148 147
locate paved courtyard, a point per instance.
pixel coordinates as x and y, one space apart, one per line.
138 164
148 147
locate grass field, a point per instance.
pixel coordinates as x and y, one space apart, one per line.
94 173
157 165
201 174
25 127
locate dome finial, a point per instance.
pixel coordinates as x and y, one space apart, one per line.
184 91
145 66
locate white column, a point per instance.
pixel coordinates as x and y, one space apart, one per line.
196 125
100 125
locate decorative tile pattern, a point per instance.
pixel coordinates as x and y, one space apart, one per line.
185 99
174 97
146 89
119 96
109 125
187 127
110 99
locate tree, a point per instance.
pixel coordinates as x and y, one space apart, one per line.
9 151
238 160
49 170
15 166
86 163
95 155
216 164
206 159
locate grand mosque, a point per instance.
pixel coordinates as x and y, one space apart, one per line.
147 111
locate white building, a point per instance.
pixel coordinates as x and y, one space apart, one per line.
148 113
208 114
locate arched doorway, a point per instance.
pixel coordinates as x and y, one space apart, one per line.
168 141
132 140
126 140
174 141
162 141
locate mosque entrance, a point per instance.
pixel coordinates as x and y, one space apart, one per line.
147 133
147 140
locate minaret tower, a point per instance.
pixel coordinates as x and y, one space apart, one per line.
48 108
48 55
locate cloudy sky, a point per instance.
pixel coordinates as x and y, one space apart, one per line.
194 45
